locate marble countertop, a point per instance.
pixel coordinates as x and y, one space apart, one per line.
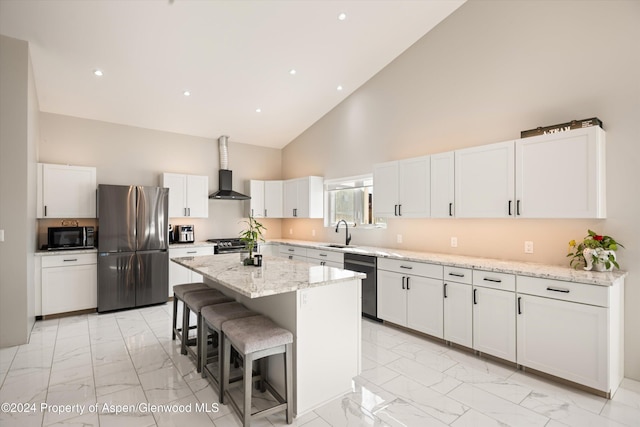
66 252
486 264
190 245
277 275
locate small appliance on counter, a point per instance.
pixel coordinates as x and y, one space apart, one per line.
227 246
61 238
183 234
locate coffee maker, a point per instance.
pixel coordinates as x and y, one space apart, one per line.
183 233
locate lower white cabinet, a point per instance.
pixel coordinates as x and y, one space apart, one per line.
324 257
571 330
295 253
179 274
458 310
69 283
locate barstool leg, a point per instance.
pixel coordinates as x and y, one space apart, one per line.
222 361
288 365
226 370
185 328
247 382
199 346
175 317
204 356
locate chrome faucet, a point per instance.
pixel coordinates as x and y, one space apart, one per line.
347 236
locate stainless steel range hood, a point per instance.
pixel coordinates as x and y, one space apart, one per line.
225 176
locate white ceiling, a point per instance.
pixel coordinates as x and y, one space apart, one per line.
233 56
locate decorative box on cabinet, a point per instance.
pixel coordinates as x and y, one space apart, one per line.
402 188
572 330
65 191
303 197
69 283
410 294
188 195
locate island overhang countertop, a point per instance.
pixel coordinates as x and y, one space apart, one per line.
276 275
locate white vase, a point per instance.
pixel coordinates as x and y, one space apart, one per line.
596 259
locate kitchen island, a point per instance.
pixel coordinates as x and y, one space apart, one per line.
320 305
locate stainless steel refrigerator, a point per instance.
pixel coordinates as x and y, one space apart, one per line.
133 257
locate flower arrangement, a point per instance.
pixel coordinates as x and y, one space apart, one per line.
594 250
251 236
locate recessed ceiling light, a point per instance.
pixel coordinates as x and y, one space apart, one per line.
342 16
186 93
292 71
98 73
258 110
339 87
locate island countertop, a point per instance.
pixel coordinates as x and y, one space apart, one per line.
276 275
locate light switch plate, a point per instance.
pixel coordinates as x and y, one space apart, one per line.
399 238
454 242
1 235
528 247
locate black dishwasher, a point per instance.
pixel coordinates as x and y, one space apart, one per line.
365 264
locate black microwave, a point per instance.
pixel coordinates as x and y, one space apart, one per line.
70 238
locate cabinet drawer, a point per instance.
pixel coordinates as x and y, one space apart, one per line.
489 279
196 251
286 250
566 291
410 267
324 255
457 274
68 260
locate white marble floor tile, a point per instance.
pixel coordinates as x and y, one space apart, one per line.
437 405
131 399
439 381
150 358
86 420
114 377
187 411
473 418
400 413
622 413
26 387
426 355
496 407
344 412
109 352
70 347
379 354
378 374
480 364
628 393
78 395
164 385
21 419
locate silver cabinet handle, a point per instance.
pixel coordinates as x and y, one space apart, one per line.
192 252
564 291
323 254
71 260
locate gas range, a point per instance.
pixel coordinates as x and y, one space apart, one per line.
226 246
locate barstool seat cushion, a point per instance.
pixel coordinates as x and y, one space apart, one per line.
251 334
197 299
180 290
217 314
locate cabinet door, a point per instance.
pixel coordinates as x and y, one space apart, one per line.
485 181
414 176
424 305
303 194
273 199
67 191
255 205
458 317
442 185
385 187
177 185
392 298
198 196
494 322
561 175
566 339
290 197
67 289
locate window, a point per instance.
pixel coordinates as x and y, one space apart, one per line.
350 199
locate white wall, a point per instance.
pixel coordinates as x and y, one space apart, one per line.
126 155
18 136
489 71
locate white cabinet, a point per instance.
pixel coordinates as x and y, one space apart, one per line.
402 188
494 308
266 199
188 195
484 181
571 330
66 191
458 310
303 197
295 253
179 274
561 175
443 185
69 283
410 294
325 257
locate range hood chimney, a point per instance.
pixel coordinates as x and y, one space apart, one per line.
225 176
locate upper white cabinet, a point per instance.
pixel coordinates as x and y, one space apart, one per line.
66 191
266 199
188 195
484 181
561 175
303 197
402 188
443 185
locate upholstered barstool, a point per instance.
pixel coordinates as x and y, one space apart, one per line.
213 317
255 338
195 301
178 295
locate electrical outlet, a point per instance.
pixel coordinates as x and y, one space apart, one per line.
291 231
528 247
454 242
399 238
313 233
1 235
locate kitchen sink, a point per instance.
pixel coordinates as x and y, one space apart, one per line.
338 245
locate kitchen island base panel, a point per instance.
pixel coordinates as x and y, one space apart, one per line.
325 322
